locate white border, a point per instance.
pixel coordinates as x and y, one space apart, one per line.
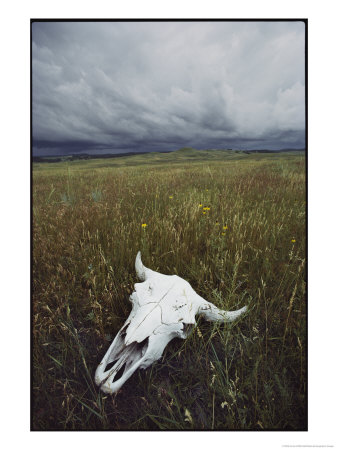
15 107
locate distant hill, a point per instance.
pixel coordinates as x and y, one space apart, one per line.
184 153
284 150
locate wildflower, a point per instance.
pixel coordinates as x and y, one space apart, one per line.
213 379
293 240
204 212
188 417
223 234
170 196
216 223
144 225
206 208
225 227
200 205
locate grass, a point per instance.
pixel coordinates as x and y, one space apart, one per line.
248 248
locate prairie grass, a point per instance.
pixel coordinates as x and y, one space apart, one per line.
235 229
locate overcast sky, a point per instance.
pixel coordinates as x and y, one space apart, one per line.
152 86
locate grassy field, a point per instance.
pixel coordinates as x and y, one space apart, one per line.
248 248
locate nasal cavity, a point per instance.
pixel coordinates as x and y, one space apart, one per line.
109 366
119 373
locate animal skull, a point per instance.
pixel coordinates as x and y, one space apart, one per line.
164 307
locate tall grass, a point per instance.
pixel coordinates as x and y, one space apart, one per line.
248 248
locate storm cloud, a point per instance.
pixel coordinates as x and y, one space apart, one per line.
152 86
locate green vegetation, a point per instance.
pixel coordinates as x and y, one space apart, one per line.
183 155
248 248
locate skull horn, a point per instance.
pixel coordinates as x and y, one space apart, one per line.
141 270
211 313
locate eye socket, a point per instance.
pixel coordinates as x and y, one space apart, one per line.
187 328
141 347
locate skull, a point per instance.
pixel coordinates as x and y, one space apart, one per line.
164 307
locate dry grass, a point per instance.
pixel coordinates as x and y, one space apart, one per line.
87 229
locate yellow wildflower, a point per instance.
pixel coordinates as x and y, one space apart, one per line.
200 205
293 240
206 208
225 227
170 196
188 417
216 223
204 212
144 225
223 234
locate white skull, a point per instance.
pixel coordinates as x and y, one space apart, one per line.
164 307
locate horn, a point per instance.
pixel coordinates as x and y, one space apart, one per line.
211 313
139 267
141 270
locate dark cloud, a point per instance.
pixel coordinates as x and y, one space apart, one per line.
119 86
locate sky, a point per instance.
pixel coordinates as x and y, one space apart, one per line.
116 87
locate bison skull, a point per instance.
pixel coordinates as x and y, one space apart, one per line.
164 307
